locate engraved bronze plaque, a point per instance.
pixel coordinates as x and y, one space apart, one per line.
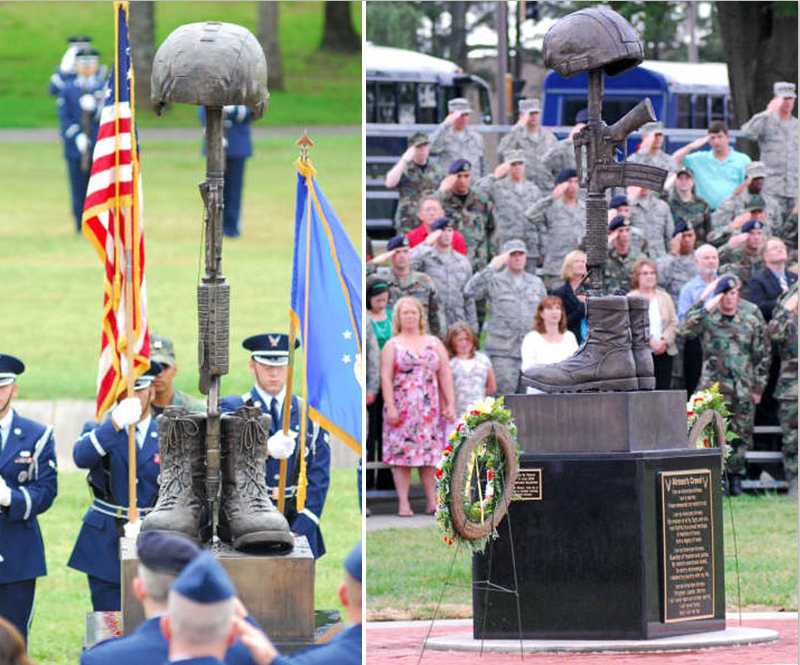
528 486
687 547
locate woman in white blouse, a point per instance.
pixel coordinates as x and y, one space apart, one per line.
663 320
549 341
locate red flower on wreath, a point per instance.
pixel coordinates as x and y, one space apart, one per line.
459 427
439 473
474 412
490 475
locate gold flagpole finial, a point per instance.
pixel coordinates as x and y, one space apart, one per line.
305 144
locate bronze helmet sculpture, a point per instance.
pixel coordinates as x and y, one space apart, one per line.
592 38
210 64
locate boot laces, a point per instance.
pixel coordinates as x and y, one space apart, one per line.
177 477
252 484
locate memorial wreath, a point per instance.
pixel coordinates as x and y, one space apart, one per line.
476 474
707 418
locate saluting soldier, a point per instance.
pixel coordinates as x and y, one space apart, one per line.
651 148
679 266
414 176
737 203
269 363
652 216
622 255
736 355
562 155
533 140
512 295
103 449
776 131
686 205
79 115
449 270
512 195
28 485
469 211
455 139
163 352
742 254
65 71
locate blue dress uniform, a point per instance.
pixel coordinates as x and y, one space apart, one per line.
104 451
238 147
318 466
65 70
73 123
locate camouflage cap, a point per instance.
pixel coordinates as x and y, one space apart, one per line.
515 156
511 246
756 170
418 138
756 202
162 350
459 105
653 127
531 105
784 89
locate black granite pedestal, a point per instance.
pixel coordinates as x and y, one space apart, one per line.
616 527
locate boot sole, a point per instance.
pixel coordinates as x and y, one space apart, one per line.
648 383
274 542
606 385
196 539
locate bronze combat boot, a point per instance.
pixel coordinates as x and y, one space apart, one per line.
181 507
604 361
247 518
640 344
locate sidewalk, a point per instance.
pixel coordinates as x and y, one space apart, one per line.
399 643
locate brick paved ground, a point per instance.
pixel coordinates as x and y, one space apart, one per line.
399 644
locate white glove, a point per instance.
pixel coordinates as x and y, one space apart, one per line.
5 493
88 103
127 412
81 142
235 112
280 445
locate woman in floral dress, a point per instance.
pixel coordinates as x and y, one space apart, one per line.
414 373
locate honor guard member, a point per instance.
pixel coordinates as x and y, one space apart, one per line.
414 175
533 140
163 352
238 147
79 115
103 449
162 557
65 72
454 139
269 359
28 486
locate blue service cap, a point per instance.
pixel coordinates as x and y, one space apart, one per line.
617 201
725 284
204 581
441 223
146 379
269 348
164 552
618 222
87 53
681 226
459 166
751 225
79 39
352 564
565 175
582 116
10 368
396 243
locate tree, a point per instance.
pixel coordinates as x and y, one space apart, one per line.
141 29
268 37
760 40
394 24
338 33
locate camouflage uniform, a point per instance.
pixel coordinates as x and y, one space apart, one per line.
736 354
696 212
558 229
660 159
511 200
372 383
534 145
421 287
782 331
618 269
674 271
561 156
653 217
416 182
512 304
740 261
472 216
777 142
788 233
448 145
181 399
450 272
735 205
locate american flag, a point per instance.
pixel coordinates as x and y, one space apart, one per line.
112 221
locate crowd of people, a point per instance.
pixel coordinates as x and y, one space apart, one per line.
496 255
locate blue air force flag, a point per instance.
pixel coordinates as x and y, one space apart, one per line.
326 312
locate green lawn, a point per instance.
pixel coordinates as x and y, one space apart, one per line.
407 581
321 89
62 598
52 279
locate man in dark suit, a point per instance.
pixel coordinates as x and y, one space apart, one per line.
28 486
768 285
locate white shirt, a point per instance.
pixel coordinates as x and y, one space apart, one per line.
5 428
141 431
655 319
266 398
536 350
